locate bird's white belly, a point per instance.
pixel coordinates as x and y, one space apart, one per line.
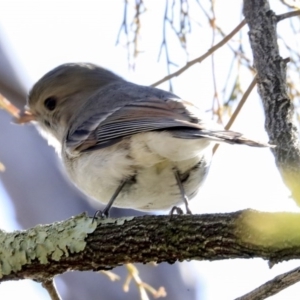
155 188
151 181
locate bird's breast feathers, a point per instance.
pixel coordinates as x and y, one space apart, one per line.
150 171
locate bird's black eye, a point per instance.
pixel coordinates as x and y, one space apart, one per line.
50 103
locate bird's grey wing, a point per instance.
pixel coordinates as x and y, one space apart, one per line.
179 117
106 128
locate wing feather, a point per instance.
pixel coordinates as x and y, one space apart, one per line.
177 116
107 128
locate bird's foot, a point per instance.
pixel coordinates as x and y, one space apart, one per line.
101 214
177 210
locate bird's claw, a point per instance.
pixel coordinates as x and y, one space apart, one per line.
101 214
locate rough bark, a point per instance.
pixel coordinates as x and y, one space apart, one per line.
272 88
80 244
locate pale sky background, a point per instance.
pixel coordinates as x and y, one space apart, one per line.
43 34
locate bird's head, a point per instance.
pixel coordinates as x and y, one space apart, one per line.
55 98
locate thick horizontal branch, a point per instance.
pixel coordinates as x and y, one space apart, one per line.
80 244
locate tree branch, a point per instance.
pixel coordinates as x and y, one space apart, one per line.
217 46
238 109
202 57
51 289
273 286
272 88
42 252
288 15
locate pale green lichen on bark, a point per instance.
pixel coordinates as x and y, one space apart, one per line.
43 243
271 230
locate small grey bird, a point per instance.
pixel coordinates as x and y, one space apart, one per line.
124 144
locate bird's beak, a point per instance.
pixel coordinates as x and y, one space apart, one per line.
25 116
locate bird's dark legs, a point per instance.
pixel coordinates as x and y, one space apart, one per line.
176 209
105 212
183 195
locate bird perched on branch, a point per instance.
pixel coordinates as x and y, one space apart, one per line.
124 144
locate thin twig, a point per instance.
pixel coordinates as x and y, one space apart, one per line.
223 34
212 22
142 286
164 44
242 102
135 27
111 275
288 15
9 107
273 286
238 109
236 89
123 25
202 57
51 289
217 46
12 110
291 3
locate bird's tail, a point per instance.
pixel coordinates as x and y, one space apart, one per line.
220 136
